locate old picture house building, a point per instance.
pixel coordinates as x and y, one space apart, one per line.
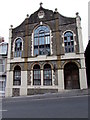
45 54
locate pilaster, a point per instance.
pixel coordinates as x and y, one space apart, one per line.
82 77
79 30
9 84
60 80
23 90
41 77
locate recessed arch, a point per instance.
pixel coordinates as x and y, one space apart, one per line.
17 75
52 67
15 66
17 47
36 63
47 75
41 40
36 75
72 61
69 41
71 76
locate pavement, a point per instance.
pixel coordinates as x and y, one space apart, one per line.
62 93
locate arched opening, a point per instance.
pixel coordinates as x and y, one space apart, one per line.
36 75
17 76
18 48
47 75
68 42
42 40
71 76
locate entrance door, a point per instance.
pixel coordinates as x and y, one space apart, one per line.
71 76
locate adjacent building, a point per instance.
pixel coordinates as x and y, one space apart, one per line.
3 64
45 54
87 60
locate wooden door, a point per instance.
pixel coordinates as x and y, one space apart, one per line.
71 76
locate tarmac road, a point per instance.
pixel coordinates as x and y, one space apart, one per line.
44 107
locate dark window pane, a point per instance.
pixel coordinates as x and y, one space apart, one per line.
65 43
72 42
68 43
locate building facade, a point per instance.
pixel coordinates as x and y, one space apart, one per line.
3 63
45 54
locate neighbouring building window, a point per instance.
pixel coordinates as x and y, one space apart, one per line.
3 48
2 65
18 48
68 42
17 76
42 40
47 75
2 85
36 75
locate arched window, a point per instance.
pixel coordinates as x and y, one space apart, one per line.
47 75
36 75
17 76
68 42
18 48
42 40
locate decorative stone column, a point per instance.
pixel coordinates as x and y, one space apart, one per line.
79 30
23 90
82 74
41 77
60 79
9 84
82 71
31 77
9 81
10 39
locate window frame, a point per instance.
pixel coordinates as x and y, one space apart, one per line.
36 75
14 45
2 65
70 48
46 47
18 81
47 71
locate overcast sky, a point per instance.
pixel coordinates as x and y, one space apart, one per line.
89 20
13 12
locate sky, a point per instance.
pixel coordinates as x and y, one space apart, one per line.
89 20
13 12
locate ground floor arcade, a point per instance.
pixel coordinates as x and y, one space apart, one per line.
46 77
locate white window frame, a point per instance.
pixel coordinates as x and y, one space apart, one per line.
14 45
74 35
32 40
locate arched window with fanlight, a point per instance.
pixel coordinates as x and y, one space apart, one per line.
42 40
68 42
47 75
17 76
36 75
18 48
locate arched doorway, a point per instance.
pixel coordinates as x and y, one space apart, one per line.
71 76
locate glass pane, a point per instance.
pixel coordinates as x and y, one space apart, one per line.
35 51
68 38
